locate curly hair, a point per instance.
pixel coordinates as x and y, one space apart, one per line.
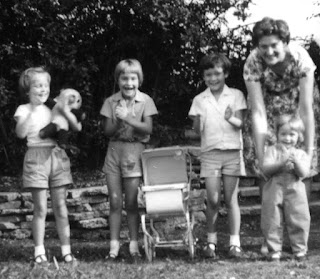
269 26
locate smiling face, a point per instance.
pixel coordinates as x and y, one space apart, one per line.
39 89
128 83
287 136
272 49
214 78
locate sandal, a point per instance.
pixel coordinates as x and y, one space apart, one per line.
136 257
209 251
73 259
111 257
41 259
235 252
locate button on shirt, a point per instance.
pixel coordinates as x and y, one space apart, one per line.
216 132
141 106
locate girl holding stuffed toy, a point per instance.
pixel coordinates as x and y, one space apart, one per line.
46 166
128 123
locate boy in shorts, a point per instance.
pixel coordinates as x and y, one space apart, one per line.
217 115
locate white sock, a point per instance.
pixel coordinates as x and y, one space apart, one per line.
212 238
134 247
65 250
235 240
39 250
114 247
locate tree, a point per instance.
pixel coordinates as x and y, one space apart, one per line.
80 42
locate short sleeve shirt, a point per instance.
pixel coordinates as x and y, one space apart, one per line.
141 106
40 117
216 132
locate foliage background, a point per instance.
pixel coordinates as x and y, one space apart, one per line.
80 42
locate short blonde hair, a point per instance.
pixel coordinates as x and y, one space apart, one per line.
128 65
295 123
26 78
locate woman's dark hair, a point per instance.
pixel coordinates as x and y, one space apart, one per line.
213 60
268 26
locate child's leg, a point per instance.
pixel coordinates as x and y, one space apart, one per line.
114 183
297 218
272 214
131 191
230 184
39 197
60 210
213 187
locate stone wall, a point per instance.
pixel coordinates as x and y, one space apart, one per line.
88 213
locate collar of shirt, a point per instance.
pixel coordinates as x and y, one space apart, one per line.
118 98
137 98
218 103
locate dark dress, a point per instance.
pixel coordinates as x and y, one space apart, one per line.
281 95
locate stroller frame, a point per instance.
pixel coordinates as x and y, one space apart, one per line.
166 190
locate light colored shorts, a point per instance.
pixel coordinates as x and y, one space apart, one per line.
45 167
216 162
124 159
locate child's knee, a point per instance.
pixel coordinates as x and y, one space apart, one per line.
213 202
40 212
115 202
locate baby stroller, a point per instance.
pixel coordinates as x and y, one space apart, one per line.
166 191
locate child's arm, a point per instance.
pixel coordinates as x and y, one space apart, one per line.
143 127
197 123
110 126
236 120
271 165
71 118
301 164
23 119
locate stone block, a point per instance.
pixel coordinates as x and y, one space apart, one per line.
12 218
26 196
28 225
90 191
29 218
8 196
81 216
100 206
15 211
93 223
86 207
28 204
249 191
20 234
10 205
8 226
90 200
102 213
247 181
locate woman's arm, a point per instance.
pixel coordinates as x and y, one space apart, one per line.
259 117
306 111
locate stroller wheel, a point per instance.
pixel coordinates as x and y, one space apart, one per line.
148 247
191 245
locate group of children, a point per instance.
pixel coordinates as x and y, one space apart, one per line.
217 115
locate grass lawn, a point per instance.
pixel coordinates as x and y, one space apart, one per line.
16 259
